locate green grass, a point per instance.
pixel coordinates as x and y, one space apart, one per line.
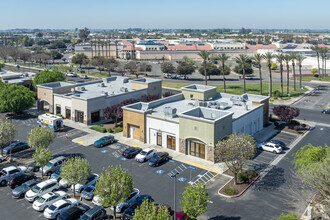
308 79
250 88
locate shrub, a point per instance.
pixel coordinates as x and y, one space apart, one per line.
303 125
314 70
118 129
230 191
82 71
109 130
291 216
99 128
273 66
242 178
251 174
294 122
60 115
276 94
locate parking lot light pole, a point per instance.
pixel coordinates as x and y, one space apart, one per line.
174 177
11 124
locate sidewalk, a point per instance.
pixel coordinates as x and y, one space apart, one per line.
294 100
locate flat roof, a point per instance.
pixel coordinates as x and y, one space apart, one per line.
196 87
223 103
55 85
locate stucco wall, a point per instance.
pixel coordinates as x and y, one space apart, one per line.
154 125
249 123
45 94
135 119
200 95
63 102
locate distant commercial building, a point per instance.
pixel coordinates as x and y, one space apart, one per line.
84 102
17 78
194 121
93 50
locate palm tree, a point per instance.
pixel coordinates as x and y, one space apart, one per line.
316 49
287 59
280 59
257 58
242 60
223 58
326 50
323 53
133 42
293 58
116 43
300 58
268 57
204 55
92 48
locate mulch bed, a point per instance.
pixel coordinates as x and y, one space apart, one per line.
290 129
112 125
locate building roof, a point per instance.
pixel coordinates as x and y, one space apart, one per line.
130 48
261 46
150 42
189 47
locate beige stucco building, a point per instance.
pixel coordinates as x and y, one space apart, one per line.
194 121
84 102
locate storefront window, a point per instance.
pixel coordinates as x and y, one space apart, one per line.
195 149
171 142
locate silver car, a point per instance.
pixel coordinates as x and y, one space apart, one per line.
53 165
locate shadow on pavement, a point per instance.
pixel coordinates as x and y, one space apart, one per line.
221 217
272 181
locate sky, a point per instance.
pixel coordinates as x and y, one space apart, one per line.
113 14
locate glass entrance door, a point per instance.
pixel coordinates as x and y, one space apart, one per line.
196 149
159 138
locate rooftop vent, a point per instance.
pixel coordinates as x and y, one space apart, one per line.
77 95
72 90
83 88
105 93
101 85
170 112
123 89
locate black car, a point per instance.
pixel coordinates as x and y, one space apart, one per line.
20 191
96 213
15 147
19 179
130 211
33 167
73 213
282 145
158 158
326 111
131 152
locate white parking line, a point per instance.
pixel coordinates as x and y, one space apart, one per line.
40 215
28 207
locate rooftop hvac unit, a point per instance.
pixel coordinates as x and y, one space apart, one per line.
77 95
101 85
123 89
170 112
223 105
83 88
72 90
105 93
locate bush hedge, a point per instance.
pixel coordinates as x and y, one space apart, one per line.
230 191
99 128
118 129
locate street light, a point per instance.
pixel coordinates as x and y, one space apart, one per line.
174 177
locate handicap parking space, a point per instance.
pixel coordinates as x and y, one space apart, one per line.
285 137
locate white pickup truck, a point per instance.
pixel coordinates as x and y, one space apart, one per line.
7 172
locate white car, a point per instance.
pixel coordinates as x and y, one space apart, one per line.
83 76
40 189
53 211
271 147
90 180
145 155
7 172
96 200
63 183
121 207
72 74
49 198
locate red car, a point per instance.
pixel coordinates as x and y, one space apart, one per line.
181 216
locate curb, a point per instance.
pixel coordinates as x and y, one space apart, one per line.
248 186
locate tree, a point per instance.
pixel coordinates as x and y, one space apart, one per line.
40 137
287 59
194 200
268 57
211 70
42 156
25 55
257 58
300 58
235 151
47 76
13 52
83 33
167 67
223 59
313 164
43 42
57 44
286 113
114 186
79 59
316 49
205 56
55 55
273 66
149 211
242 59
4 53
75 170
145 67
323 53
15 98
99 62
280 59
291 216
293 58
110 63
132 68
7 133
133 42
314 70
186 67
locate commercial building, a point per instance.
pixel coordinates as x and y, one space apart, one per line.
193 121
24 79
84 102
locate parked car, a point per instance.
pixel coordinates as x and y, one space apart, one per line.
131 152
2 159
83 76
124 205
7 172
96 200
104 141
33 167
271 147
158 158
181 216
145 155
40 189
280 143
88 193
73 213
20 191
130 211
15 147
19 178
90 180
63 183
180 77
96 213
53 165
326 111
48 199
167 75
73 74
56 175
53 211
